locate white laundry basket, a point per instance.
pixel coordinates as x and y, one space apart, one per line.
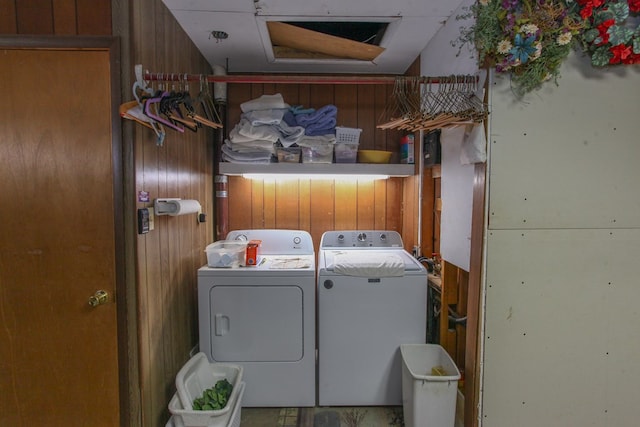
428 400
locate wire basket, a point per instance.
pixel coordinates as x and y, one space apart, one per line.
347 135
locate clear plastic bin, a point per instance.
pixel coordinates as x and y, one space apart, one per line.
288 154
346 152
429 386
225 253
320 153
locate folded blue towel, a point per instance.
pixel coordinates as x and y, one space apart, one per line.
297 109
321 114
289 118
320 130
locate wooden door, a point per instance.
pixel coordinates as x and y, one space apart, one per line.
58 355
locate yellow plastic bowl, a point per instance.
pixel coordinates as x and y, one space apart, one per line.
374 156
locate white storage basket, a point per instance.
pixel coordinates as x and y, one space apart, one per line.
347 135
181 417
198 375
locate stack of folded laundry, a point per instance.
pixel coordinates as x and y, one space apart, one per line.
261 128
315 122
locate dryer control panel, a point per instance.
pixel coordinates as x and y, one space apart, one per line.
361 239
276 241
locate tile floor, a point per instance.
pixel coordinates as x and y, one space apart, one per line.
322 417
386 416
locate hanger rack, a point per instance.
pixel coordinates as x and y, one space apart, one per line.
418 102
292 79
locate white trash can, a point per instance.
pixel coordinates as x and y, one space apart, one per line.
428 399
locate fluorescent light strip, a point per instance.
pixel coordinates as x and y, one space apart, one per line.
325 176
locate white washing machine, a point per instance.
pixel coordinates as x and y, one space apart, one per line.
263 318
372 297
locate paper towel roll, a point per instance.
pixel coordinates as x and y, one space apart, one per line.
182 207
176 206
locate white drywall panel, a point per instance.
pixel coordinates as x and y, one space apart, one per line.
561 343
456 189
567 156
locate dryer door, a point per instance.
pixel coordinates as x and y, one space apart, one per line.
256 323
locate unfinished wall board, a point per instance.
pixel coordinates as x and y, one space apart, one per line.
557 346
561 313
567 156
457 200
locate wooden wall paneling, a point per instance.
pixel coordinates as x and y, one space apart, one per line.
269 199
346 205
304 95
437 215
322 211
379 104
236 94
34 17
181 167
240 210
380 205
346 99
321 95
65 18
289 93
394 204
94 16
150 278
269 88
366 114
254 200
409 212
471 367
449 297
461 310
8 19
428 212
304 204
287 208
148 245
365 205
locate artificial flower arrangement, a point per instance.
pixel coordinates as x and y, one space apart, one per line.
529 39
608 35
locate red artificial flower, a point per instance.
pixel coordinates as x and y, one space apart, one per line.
603 30
620 53
586 11
634 6
587 7
632 59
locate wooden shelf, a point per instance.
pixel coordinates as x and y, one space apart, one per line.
392 170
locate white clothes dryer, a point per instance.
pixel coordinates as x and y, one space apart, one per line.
372 297
262 317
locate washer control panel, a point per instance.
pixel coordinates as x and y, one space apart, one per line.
361 239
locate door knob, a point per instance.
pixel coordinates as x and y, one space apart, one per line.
99 298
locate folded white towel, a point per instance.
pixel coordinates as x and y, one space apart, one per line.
366 264
264 117
246 155
267 133
228 159
264 102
